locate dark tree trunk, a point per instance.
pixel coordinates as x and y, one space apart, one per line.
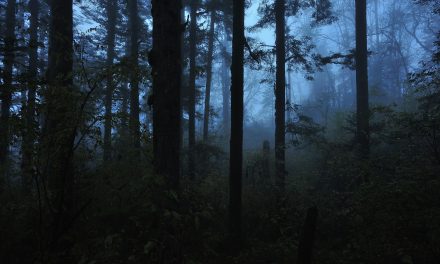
236 142
362 118
108 101
61 116
134 123
280 95
6 93
208 77
30 122
307 239
192 90
165 59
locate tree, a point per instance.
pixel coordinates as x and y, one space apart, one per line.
30 127
362 110
296 52
134 123
209 75
226 8
225 80
7 90
192 88
60 116
280 94
236 141
108 101
165 59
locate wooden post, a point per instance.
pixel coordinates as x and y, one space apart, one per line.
307 239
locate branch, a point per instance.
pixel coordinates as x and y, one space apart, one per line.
253 56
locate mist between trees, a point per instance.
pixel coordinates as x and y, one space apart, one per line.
219 131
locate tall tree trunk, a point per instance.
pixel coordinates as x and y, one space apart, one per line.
61 117
225 78
362 119
192 89
209 76
236 142
108 101
165 59
6 93
30 123
280 95
134 123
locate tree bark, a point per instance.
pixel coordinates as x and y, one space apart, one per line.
192 89
61 117
236 141
165 59
280 95
30 122
7 90
134 123
108 100
362 116
209 77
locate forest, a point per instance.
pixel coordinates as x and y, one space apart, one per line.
220 131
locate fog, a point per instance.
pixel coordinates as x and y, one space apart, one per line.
219 131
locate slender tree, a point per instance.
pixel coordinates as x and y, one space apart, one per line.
134 123
362 119
226 63
192 89
226 92
236 141
30 126
165 59
209 76
111 13
6 93
280 94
